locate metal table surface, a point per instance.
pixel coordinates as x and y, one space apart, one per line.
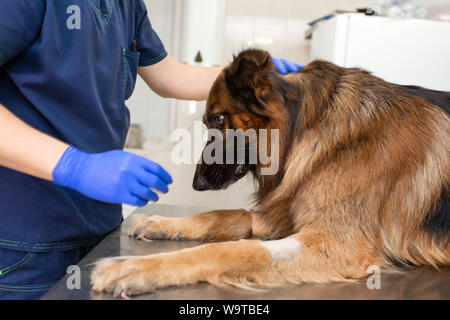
420 284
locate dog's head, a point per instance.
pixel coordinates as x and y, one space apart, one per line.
248 96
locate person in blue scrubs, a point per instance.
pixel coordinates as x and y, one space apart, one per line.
66 69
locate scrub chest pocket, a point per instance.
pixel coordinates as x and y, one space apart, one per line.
130 62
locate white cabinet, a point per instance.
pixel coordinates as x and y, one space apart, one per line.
403 51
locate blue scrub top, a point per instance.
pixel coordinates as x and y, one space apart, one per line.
66 69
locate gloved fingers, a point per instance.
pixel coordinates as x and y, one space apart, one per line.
279 65
152 181
284 66
290 66
143 192
135 201
157 170
299 66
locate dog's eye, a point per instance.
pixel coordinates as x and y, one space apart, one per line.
220 119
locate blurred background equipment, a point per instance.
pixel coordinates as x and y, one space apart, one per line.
403 51
419 9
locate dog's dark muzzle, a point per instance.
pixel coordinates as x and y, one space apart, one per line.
199 183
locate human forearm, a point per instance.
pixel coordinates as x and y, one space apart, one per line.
193 82
115 176
25 149
172 79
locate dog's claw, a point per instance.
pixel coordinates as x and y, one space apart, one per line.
155 228
137 228
118 291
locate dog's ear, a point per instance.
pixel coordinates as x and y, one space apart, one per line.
247 78
248 68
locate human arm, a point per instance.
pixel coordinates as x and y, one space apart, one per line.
115 176
25 149
172 79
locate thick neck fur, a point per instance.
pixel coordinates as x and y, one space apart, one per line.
304 95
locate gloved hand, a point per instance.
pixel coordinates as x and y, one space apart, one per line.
114 176
284 66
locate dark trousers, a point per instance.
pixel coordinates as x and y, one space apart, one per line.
29 275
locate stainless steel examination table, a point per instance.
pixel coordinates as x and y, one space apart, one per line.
421 284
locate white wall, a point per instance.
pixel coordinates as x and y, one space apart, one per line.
185 27
277 26
149 110
202 30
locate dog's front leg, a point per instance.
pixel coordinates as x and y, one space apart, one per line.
219 225
213 262
309 257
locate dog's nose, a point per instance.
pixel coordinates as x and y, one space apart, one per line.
199 183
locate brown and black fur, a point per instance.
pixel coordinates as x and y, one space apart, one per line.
364 180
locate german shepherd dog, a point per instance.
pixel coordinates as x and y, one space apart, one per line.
363 180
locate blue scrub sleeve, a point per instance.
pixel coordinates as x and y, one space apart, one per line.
150 46
20 22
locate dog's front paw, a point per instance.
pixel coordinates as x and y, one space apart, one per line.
156 228
124 277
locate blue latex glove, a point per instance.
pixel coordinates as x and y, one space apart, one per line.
114 176
284 66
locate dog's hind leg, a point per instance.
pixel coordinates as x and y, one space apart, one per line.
219 225
302 258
